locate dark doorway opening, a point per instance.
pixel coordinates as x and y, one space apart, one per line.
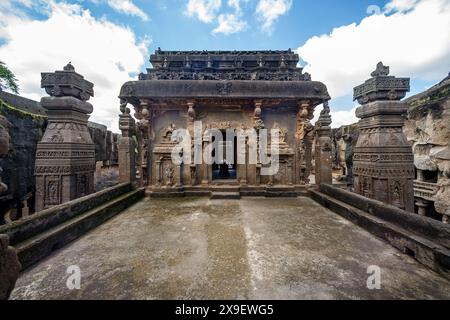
225 168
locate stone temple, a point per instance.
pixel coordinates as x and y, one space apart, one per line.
224 91
186 221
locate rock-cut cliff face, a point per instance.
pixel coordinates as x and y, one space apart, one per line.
428 130
18 166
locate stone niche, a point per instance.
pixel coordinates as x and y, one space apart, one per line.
65 157
383 160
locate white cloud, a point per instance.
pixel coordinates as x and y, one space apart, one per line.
229 24
236 5
413 41
269 11
205 10
400 5
103 52
128 7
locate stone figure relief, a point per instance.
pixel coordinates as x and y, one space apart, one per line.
282 132
169 173
397 194
169 131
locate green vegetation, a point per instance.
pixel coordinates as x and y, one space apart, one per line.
7 79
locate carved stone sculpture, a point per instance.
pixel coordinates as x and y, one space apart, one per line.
65 159
383 160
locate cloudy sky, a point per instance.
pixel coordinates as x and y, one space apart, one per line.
340 42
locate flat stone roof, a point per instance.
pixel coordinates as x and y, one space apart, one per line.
253 248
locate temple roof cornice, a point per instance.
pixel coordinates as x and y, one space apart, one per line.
316 92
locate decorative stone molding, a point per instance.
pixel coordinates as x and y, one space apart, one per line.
381 87
67 83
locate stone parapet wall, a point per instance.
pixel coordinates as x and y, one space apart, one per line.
18 166
26 228
423 238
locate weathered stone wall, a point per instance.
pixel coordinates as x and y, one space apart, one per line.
105 143
25 104
428 130
425 239
18 166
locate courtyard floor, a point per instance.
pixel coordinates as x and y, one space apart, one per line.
254 248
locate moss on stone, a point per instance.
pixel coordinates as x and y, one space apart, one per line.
6 107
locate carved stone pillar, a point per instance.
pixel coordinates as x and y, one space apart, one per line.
65 157
422 207
127 147
178 174
383 163
159 172
254 170
205 166
303 144
420 176
323 152
242 167
190 125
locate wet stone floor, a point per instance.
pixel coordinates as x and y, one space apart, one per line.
254 248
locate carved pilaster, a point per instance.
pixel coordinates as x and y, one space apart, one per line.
303 144
127 147
190 125
323 152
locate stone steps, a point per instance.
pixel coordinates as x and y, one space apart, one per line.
43 244
225 195
225 188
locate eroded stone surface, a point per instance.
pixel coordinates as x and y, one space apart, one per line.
9 267
428 130
253 248
383 159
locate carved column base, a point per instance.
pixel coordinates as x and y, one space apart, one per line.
422 207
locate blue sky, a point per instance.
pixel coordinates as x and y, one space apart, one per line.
169 27
339 41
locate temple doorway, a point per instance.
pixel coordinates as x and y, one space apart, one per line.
226 168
